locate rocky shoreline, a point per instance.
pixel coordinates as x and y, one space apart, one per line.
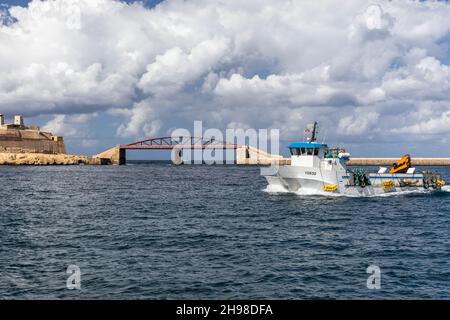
42 159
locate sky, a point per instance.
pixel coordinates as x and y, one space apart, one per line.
374 74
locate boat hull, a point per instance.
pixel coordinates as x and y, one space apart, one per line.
309 180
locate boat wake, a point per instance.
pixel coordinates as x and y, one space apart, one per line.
276 189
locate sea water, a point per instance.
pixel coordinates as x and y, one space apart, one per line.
152 230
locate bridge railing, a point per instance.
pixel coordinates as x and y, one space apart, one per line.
185 142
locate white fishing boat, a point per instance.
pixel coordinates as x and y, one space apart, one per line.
316 169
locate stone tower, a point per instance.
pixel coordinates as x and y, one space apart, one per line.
18 121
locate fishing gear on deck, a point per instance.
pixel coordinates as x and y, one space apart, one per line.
360 178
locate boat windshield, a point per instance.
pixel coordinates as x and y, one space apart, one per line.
295 151
304 151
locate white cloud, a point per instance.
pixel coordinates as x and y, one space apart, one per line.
141 120
428 79
354 65
359 123
72 126
175 68
5 17
433 126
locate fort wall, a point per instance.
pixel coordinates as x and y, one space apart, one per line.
17 138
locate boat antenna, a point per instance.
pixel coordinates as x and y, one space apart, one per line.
314 132
325 137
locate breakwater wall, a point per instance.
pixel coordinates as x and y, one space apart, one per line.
391 161
266 161
43 159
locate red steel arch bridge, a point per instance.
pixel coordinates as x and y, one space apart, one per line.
117 155
178 142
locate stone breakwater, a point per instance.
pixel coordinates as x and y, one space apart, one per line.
43 159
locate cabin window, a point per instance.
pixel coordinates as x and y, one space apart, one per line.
316 152
303 150
309 151
295 151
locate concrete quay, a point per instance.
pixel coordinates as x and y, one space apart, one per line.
390 161
387 162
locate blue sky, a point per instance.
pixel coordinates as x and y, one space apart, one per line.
375 76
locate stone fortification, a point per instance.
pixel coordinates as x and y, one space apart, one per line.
18 138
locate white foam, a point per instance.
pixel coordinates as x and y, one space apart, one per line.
273 188
313 192
399 193
301 192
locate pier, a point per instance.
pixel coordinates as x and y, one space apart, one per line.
390 161
378 162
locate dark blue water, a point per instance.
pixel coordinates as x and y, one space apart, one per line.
156 231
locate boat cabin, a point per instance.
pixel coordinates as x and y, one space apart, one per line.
307 154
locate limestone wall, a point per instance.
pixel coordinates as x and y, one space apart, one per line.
44 159
246 155
114 155
30 141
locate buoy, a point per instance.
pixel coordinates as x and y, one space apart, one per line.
440 183
388 185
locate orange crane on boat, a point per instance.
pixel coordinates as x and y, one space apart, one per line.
402 165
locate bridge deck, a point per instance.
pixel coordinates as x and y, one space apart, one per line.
169 147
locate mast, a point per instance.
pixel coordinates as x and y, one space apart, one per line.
314 132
